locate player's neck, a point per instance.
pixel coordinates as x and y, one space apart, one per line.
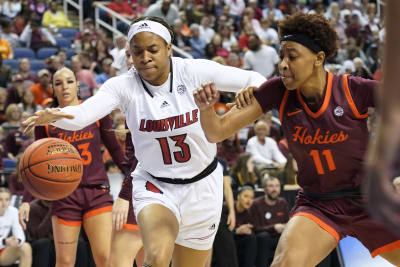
162 78
315 86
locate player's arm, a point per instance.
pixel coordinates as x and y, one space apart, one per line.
110 141
226 78
218 128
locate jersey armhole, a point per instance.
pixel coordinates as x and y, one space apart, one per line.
350 99
282 105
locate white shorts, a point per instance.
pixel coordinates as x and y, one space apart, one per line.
197 206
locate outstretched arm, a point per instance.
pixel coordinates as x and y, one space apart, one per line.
383 202
218 128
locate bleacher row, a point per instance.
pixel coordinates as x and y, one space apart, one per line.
37 59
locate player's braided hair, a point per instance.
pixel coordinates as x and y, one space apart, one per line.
314 26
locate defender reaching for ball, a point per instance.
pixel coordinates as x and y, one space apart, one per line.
90 204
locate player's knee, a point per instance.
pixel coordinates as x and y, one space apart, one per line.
25 251
102 259
65 260
285 259
158 255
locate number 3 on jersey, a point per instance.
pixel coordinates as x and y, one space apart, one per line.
86 155
179 156
318 163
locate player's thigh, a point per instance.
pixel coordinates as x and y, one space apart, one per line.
392 256
98 229
158 228
8 256
125 245
184 256
297 244
65 240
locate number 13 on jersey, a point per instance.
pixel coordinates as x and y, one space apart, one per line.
180 156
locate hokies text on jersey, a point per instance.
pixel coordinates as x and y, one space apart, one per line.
302 136
170 123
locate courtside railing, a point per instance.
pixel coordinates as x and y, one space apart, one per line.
78 6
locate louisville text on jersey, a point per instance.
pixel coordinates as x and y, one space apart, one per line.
302 136
170 123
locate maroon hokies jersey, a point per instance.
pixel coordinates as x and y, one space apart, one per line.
328 140
88 142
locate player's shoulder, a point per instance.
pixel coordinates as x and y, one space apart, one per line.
355 82
125 81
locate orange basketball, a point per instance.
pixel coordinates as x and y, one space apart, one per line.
51 168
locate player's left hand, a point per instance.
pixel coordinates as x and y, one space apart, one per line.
206 96
45 117
120 213
231 221
243 98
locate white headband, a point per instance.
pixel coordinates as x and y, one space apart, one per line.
149 26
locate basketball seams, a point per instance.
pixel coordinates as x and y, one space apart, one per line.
36 163
50 179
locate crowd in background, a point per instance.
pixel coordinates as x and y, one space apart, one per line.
239 33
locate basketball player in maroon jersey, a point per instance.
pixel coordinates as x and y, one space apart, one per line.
324 117
383 201
90 204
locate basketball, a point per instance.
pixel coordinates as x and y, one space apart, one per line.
51 168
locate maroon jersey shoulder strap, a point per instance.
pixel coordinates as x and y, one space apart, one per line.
282 105
350 99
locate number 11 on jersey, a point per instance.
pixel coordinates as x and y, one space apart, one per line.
315 154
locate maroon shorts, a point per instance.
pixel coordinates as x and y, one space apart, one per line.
344 217
83 203
131 223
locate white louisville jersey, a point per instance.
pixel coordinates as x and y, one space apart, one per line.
164 121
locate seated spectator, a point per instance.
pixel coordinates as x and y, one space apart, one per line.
267 34
39 7
13 115
165 10
242 172
206 31
120 43
28 103
217 42
12 238
264 150
24 68
16 91
234 60
180 40
42 89
107 72
36 36
3 104
40 234
8 34
89 28
123 8
260 58
271 213
230 149
5 48
360 69
100 53
197 43
396 184
87 61
228 36
62 56
53 64
11 8
85 78
55 19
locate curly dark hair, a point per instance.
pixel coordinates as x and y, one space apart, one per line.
159 20
314 26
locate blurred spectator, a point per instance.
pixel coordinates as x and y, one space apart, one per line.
15 182
115 178
260 58
349 10
165 10
107 72
396 184
23 17
219 49
246 241
319 9
333 11
55 19
36 36
234 60
236 8
206 31
100 53
39 7
249 12
247 30
271 7
192 14
3 104
24 69
5 48
257 11
123 8
360 69
141 7
242 172
197 43
5 74
229 150
271 214
42 89
354 28
8 34
88 63
180 40
185 30
227 35
120 43
119 65
62 56
53 64
264 150
16 91
28 103
10 8
85 78
266 33
350 52
13 116
12 237
88 28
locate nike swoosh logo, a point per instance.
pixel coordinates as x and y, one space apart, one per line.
294 112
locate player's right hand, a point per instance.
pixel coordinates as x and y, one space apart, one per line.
120 213
45 117
24 214
206 96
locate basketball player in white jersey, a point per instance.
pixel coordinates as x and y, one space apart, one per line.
177 185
